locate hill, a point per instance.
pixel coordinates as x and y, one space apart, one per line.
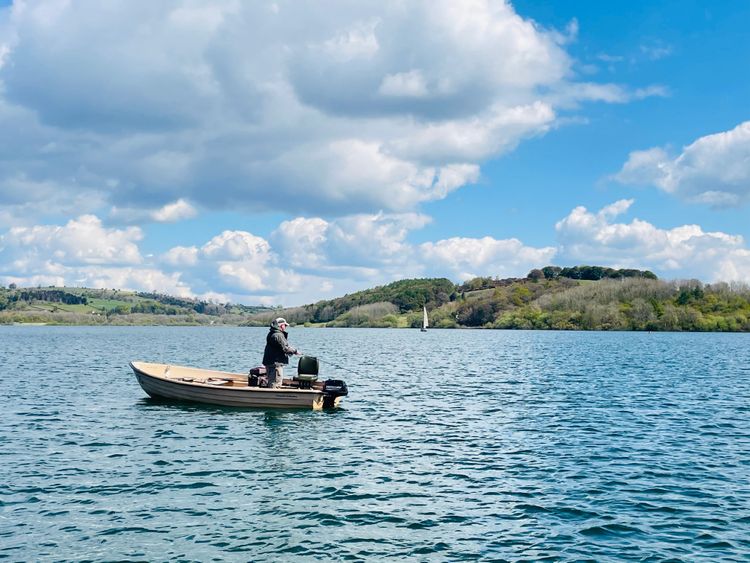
73 305
383 306
577 298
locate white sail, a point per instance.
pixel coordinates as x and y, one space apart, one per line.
424 317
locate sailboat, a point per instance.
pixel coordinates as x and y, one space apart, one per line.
424 319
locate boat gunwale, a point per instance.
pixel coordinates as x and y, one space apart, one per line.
232 389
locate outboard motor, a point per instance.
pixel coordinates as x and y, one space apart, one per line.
307 373
332 389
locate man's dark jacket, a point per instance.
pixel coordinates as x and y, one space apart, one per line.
277 348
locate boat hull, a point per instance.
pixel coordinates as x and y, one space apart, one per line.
190 384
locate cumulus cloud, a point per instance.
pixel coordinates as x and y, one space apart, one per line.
169 213
360 246
373 240
232 263
682 252
294 107
358 175
375 247
497 131
467 258
310 258
82 241
176 211
714 169
181 256
82 253
141 279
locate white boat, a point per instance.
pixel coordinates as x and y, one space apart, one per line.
197 385
424 319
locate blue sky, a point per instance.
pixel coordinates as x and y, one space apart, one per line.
285 152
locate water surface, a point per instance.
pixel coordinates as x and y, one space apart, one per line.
453 445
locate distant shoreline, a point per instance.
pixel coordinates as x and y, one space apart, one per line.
456 328
586 298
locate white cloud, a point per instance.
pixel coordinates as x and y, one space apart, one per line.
346 108
306 259
362 251
233 263
465 258
374 240
496 131
682 252
301 242
237 245
176 211
136 279
82 241
170 213
245 277
375 248
714 169
360 244
82 253
181 256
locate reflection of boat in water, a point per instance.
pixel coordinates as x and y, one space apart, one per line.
424 319
238 390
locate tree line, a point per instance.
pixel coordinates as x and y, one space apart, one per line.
13 295
627 304
560 299
576 298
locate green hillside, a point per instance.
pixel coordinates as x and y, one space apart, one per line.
72 305
577 298
383 306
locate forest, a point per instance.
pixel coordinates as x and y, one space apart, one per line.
85 306
570 298
577 298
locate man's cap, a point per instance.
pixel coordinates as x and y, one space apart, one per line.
276 323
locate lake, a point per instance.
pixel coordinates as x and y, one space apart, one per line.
452 445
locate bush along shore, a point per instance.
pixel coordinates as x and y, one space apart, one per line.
577 298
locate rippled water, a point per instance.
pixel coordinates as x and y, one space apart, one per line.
453 445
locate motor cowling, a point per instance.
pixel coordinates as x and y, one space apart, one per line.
333 388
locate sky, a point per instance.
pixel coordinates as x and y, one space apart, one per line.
280 153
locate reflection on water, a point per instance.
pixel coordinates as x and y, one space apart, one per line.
452 445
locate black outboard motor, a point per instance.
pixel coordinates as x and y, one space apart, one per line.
333 388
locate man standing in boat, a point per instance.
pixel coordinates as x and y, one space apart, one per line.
277 352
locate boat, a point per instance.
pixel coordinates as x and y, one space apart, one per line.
424 319
182 383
